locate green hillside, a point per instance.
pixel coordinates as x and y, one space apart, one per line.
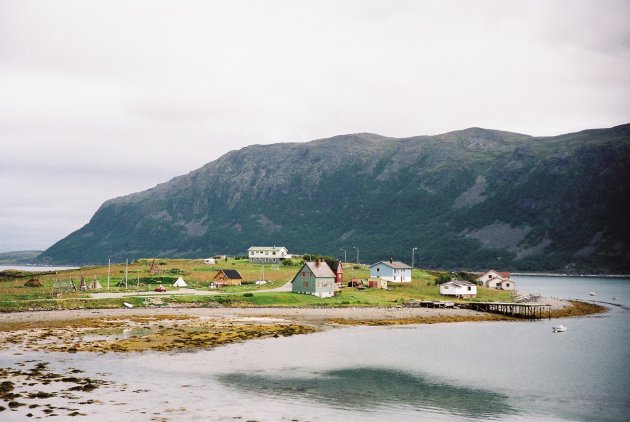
18 257
469 199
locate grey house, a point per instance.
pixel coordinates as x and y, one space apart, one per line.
314 278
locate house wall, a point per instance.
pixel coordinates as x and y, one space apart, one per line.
458 291
232 282
493 283
508 285
388 273
267 255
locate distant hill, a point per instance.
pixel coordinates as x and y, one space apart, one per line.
18 257
470 199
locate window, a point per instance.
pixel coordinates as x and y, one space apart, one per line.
469 288
303 274
306 284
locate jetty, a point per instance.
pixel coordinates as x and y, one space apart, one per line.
518 310
429 304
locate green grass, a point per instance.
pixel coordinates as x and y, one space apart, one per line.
14 296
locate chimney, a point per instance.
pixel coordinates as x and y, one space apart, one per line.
318 262
390 260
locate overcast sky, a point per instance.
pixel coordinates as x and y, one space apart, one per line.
100 99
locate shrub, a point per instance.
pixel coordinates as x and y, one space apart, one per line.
248 294
33 282
443 278
289 263
176 271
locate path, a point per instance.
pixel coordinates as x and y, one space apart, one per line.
109 295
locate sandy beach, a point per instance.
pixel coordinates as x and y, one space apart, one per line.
294 314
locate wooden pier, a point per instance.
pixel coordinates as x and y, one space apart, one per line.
518 310
429 304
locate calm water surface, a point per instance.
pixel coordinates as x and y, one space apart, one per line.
511 371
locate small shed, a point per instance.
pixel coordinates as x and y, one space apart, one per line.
377 283
228 277
459 288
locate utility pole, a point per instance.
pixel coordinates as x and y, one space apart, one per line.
413 251
345 258
126 272
109 270
354 247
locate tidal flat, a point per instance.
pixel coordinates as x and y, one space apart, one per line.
46 383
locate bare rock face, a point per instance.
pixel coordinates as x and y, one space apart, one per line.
471 199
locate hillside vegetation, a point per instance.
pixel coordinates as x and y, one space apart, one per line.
18 257
472 199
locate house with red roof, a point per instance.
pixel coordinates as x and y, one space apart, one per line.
497 280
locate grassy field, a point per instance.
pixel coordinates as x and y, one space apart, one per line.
54 292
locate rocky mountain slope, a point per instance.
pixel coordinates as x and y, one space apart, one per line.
469 199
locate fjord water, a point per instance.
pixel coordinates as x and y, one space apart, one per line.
510 371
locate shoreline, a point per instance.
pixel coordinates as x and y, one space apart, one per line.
44 318
190 328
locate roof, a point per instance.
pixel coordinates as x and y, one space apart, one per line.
335 265
266 248
502 274
321 270
393 264
459 283
232 274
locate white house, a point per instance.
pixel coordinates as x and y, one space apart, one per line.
209 261
497 280
507 284
458 288
394 271
268 253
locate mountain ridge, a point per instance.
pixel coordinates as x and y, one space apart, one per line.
446 194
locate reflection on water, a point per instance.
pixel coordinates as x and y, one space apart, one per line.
367 388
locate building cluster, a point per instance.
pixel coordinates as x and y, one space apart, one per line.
324 278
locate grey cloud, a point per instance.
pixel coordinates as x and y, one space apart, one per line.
124 95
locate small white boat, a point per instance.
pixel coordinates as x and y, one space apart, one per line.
592 293
128 305
559 328
615 298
